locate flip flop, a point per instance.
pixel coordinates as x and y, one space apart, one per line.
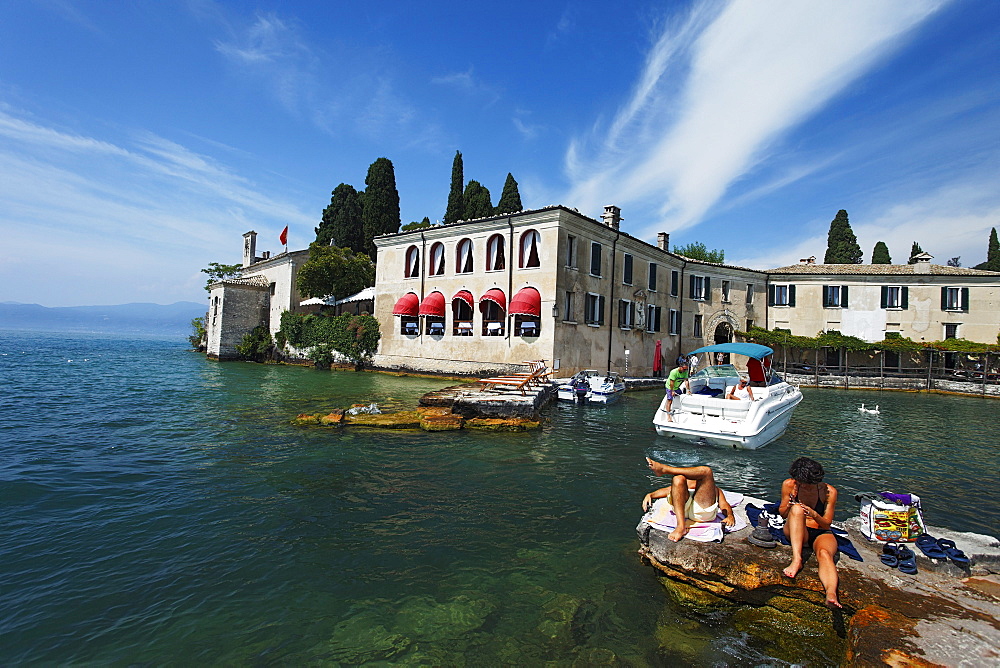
952 552
890 555
929 546
907 560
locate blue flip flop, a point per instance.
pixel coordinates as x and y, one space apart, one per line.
929 546
907 560
952 552
890 555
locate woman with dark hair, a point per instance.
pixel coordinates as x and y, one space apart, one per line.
808 504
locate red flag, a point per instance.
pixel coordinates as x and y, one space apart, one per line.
284 236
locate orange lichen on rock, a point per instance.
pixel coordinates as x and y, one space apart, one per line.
502 424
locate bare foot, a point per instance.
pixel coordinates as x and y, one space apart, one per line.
677 534
793 568
832 602
656 467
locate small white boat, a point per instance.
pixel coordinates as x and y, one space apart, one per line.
594 387
705 416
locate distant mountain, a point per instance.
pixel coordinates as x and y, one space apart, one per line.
127 318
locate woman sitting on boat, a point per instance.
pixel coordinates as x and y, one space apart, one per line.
808 504
741 391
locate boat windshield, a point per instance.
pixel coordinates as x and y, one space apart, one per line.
717 371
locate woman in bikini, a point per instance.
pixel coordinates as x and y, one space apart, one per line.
808 504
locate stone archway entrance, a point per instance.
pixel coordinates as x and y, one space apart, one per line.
723 334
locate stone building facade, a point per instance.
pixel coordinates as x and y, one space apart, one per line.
484 296
264 290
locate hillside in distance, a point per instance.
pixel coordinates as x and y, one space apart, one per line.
125 318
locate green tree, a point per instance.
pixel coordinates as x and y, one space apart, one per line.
256 345
915 250
341 224
380 205
841 244
880 254
698 251
416 225
197 338
456 202
477 201
510 198
992 254
220 272
334 271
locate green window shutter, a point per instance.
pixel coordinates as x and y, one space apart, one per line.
770 295
885 296
944 299
906 297
826 296
691 286
791 295
843 296
965 299
600 310
708 290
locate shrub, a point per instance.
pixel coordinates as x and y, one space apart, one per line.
256 345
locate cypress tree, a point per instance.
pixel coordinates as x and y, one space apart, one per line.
456 202
841 245
476 201
992 254
915 250
510 198
341 224
880 255
380 204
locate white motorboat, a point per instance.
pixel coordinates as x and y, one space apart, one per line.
594 387
704 415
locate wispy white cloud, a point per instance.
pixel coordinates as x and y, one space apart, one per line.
469 85
69 199
718 90
967 211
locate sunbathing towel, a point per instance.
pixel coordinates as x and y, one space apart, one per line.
661 516
844 543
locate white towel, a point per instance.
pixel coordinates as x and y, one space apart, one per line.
661 516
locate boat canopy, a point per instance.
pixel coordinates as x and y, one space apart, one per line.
754 350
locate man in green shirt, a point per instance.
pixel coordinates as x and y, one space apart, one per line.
675 381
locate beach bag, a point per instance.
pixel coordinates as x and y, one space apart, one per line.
888 517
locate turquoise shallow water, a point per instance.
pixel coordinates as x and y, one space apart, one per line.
161 509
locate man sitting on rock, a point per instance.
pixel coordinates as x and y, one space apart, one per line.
692 494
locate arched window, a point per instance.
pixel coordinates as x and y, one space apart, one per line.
463 264
437 259
412 268
529 249
494 254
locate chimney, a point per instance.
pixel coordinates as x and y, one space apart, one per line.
922 263
663 241
808 260
249 248
612 216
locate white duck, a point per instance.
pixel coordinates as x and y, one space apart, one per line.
869 411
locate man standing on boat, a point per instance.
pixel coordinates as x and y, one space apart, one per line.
675 382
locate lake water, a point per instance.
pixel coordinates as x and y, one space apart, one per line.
160 509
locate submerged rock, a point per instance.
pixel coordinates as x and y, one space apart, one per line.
305 419
502 424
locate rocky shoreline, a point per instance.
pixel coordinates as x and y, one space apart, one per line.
942 616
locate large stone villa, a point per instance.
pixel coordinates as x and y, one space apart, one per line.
484 295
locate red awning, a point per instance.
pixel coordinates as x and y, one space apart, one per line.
466 297
496 296
433 305
526 302
407 305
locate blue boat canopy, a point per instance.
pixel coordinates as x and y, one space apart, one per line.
754 350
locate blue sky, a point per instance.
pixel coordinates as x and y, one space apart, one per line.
140 140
